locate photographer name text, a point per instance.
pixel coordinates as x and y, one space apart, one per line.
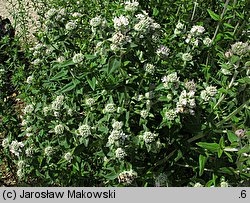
70 194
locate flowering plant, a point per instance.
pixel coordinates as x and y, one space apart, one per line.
116 98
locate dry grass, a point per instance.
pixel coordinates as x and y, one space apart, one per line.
25 22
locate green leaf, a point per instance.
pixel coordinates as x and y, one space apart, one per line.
60 75
232 137
245 149
63 64
90 57
113 64
113 175
92 83
213 147
228 25
213 15
202 162
70 86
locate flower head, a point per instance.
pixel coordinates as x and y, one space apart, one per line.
68 157
131 6
120 153
120 22
70 25
59 129
48 151
186 57
84 130
149 137
78 58
15 147
240 48
95 22
127 177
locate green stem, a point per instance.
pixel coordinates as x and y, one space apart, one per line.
195 5
229 86
221 17
233 113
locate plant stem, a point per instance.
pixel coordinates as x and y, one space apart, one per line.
229 86
195 5
221 17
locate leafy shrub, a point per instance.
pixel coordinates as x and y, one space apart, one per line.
117 99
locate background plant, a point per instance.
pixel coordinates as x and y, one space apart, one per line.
132 97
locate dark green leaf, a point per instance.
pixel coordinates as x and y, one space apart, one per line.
92 83
89 57
213 147
113 64
232 137
202 162
70 86
213 15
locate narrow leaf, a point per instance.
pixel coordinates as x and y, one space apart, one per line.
213 15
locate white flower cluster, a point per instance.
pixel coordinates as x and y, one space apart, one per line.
120 22
46 110
28 109
16 147
149 137
77 15
163 51
144 113
57 103
186 57
59 129
224 184
116 136
120 153
68 157
84 130
208 93
36 62
145 24
110 108
5 142
21 168
61 59
50 13
71 25
161 180
149 68
197 30
54 15
186 102
117 125
78 58
30 79
29 151
127 177
170 114
240 48
194 36
89 101
96 21
131 6
207 41
48 151
179 28
198 185
119 40
171 79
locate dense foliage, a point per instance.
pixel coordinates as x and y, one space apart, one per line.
114 93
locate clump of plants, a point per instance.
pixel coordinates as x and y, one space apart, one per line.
118 99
